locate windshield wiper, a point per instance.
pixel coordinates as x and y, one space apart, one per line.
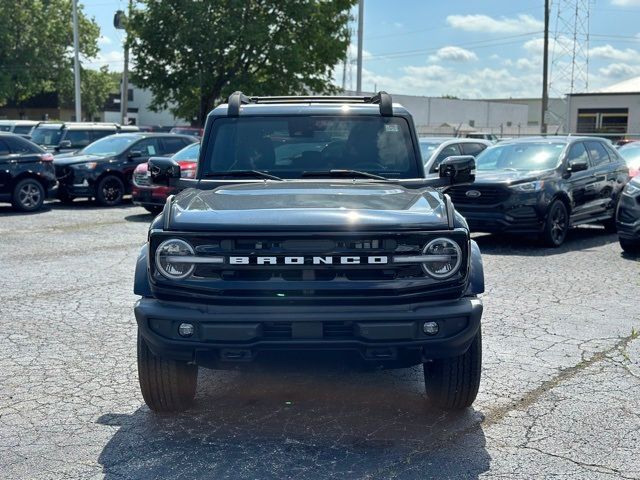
243 173
344 173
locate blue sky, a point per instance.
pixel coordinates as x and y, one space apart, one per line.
471 49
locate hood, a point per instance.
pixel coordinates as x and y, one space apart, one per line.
63 161
509 176
308 206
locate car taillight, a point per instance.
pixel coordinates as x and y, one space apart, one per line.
46 157
187 169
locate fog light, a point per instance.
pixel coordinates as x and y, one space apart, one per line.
185 329
430 328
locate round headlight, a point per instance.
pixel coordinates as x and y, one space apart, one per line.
447 258
168 259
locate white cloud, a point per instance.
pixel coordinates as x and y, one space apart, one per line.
454 54
619 71
352 52
484 23
626 3
102 40
525 64
536 45
611 53
113 59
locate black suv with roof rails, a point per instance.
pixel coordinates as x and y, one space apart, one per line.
543 186
65 137
309 226
103 170
27 175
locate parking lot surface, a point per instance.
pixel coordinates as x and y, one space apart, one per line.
559 396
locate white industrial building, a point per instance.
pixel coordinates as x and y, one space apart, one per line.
614 110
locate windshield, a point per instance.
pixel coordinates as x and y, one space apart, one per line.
111 145
289 146
46 136
25 129
525 156
631 154
188 153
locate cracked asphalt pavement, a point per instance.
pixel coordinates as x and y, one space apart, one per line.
560 395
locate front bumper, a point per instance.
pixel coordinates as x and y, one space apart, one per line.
239 332
497 218
628 217
155 196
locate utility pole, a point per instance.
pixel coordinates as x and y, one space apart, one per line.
360 34
545 70
76 61
119 23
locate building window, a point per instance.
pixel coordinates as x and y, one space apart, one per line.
608 120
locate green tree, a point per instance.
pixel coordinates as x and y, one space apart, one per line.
95 87
193 54
36 44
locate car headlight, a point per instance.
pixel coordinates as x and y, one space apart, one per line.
446 258
170 259
632 187
529 186
86 166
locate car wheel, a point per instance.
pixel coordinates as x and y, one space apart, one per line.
153 210
452 383
630 246
28 195
110 191
556 225
166 385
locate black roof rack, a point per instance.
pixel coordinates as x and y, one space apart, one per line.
383 99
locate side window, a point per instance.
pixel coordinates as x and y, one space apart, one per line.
472 148
448 151
78 138
172 145
597 153
4 148
22 129
148 147
578 152
19 146
613 156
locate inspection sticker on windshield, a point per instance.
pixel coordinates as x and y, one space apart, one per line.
391 127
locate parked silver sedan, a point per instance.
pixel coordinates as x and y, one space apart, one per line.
435 149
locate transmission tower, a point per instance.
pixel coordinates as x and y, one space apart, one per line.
569 72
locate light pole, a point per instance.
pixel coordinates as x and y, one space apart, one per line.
119 23
76 61
360 35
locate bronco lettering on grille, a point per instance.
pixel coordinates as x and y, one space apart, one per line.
299 260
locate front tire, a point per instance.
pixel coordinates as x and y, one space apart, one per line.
556 224
630 246
452 383
28 195
166 385
109 191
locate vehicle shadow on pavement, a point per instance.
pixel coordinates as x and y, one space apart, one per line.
580 238
144 217
306 420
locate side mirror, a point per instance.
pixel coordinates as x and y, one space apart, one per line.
64 144
135 154
163 170
577 166
458 169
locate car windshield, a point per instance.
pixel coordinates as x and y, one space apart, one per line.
525 156
427 147
631 154
111 145
188 153
46 136
290 146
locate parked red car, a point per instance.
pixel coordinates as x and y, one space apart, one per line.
153 197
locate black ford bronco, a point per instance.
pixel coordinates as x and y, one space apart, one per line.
309 225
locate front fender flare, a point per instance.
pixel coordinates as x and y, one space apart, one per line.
141 280
476 272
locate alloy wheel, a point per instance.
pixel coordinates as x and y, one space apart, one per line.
29 195
558 224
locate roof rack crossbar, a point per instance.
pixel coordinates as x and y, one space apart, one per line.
236 99
383 99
